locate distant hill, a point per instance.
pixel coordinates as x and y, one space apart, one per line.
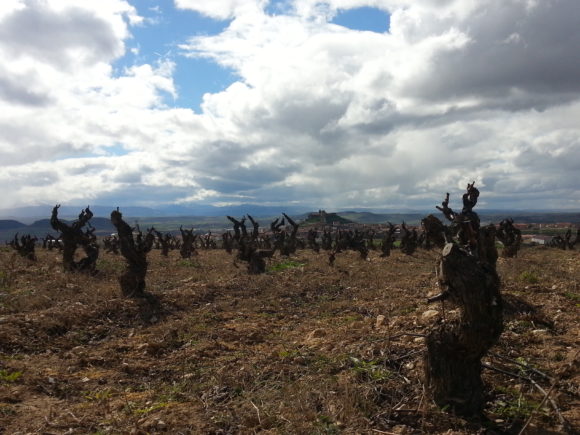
10 224
382 218
497 216
42 227
219 223
72 212
321 217
171 210
492 216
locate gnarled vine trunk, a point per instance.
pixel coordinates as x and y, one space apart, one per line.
454 350
73 237
468 276
24 246
510 237
132 281
187 243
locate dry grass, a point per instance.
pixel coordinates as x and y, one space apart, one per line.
296 350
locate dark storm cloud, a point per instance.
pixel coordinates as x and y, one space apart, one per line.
512 49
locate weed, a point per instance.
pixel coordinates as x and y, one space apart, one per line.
515 408
6 410
189 263
325 425
519 326
287 264
346 320
529 277
107 265
148 409
6 279
407 310
174 393
573 296
328 364
98 396
284 354
370 370
511 404
525 365
6 376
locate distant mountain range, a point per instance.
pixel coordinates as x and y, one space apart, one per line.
40 228
218 221
29 214
33 213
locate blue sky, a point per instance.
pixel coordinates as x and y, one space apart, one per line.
166 27
320 103
158 38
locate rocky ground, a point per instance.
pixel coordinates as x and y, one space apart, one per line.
305 348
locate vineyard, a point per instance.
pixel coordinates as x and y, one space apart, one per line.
242 335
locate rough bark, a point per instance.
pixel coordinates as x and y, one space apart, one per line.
164 242
510 237
187 243
469 279
73 237
576 240
255 228
408 240
24 246
487 252
388 241
228 242
287 243
326 239
111 244
464 225
312 243
132 281
434 231
454 350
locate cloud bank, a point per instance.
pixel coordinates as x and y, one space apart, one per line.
319 115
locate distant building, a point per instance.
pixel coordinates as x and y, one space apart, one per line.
327 218
541 240
320 216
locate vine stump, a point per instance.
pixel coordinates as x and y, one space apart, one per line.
455 349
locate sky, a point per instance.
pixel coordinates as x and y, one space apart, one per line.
320 103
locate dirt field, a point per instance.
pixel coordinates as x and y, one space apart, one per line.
304 349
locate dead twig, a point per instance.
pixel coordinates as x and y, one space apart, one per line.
257 411
562 420
536 409
78 420
504 372
415 352
525 366
415 411
409 334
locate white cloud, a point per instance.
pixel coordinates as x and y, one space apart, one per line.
222 9
324 115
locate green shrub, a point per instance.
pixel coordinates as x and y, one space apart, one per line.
6 376
287 264
370 370
529 277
